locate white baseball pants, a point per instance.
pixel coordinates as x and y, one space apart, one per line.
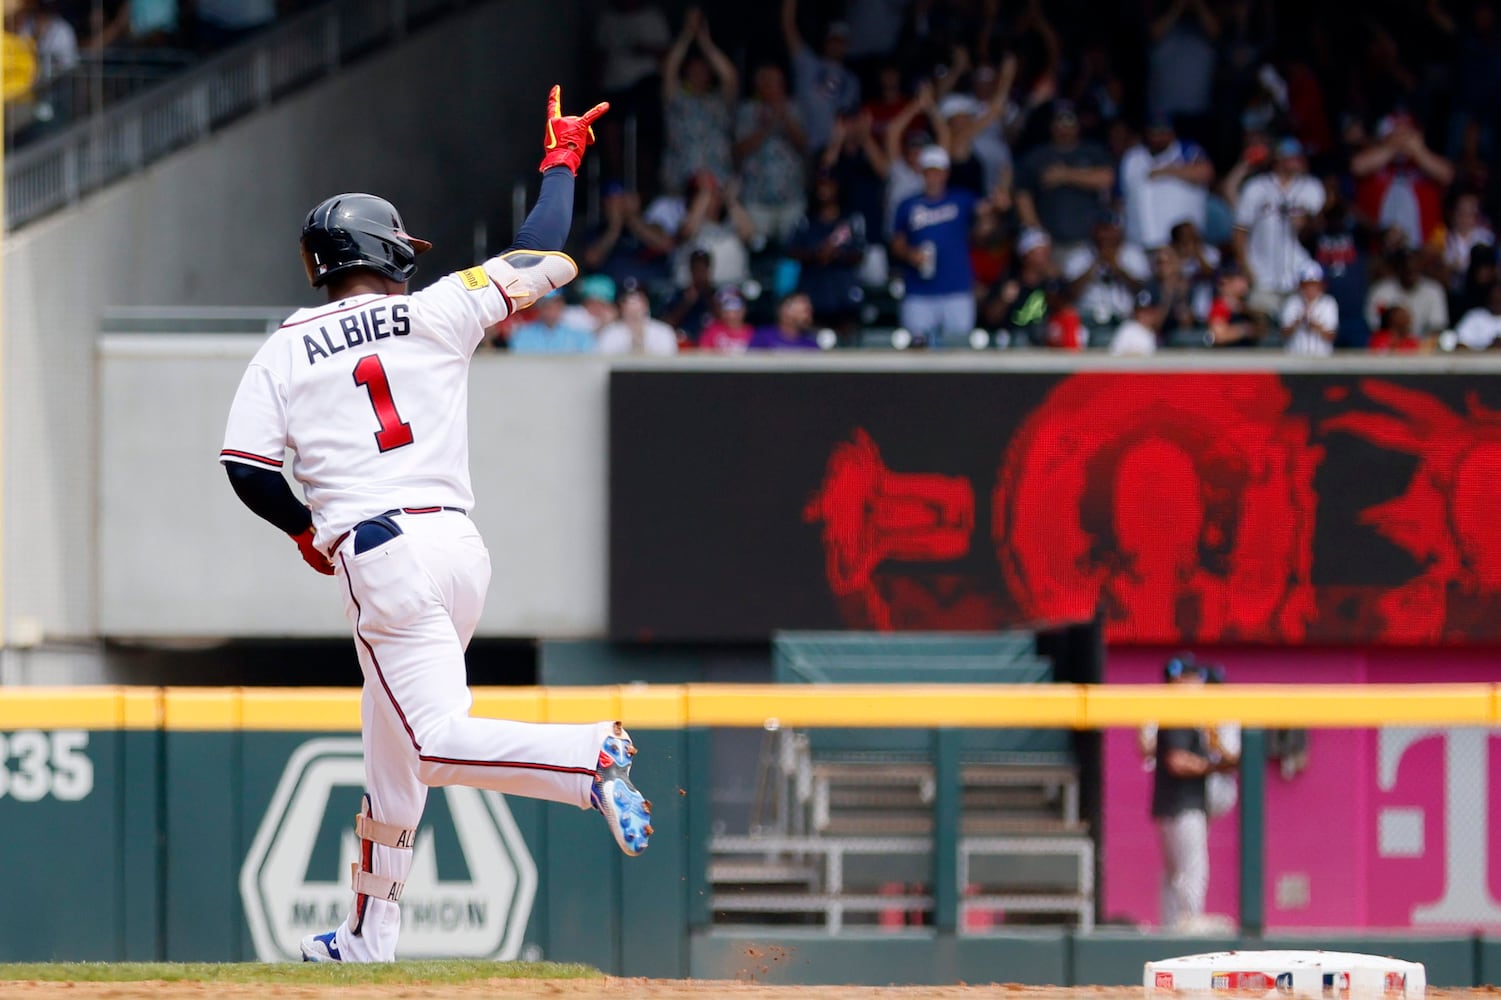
414 602
1185 866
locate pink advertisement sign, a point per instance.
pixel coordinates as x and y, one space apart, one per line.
1389 828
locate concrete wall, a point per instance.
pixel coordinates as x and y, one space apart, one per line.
179 556
443 125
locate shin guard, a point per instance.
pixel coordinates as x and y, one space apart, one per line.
363 879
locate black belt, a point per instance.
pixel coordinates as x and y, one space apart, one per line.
392 513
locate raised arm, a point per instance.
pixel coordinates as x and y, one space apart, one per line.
729 78
672 64
790 34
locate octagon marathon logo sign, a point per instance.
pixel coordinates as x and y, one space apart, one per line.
472 882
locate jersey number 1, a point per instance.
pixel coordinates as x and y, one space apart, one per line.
394 432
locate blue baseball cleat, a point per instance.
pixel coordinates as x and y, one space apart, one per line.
321 947
625 809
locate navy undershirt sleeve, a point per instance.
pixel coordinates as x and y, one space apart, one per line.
268 495
547 224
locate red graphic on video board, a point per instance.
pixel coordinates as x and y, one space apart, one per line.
871 514
1183 503
1449 517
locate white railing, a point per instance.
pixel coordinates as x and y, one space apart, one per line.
122 138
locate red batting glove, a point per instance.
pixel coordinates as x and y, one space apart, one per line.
312 556
567 135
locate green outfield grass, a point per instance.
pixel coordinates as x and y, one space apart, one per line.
318 973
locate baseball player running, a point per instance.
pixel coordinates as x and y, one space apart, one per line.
369 393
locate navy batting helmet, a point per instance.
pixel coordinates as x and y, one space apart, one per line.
358 230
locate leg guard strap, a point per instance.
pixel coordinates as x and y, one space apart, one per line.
363 880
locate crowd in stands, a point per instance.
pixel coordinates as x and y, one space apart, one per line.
1048 173
62 56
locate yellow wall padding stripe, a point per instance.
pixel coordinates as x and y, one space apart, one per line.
883 706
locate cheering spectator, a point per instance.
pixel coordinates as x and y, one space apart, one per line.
962 114
1480 329
699 115
903 174
1395 335
1230 323
1271 212
1137 336
717 223
793 330
991 141
1164 181
823 85
1466 231
1022 307
635 332
888 101
626 246
1105 275
1400 182
1310 318
931 237
689 310
632 36
830 246
1424 298
549 332
727 332
596 306
769 146
1061 185
858 165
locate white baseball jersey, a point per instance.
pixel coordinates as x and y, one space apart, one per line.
1266 209
371 396
1302 317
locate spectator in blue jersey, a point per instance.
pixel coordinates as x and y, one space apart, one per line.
930 236
793 330
549 331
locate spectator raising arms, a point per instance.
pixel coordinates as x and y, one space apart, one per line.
770 142
699 115
900 167
719 224
625 245
1400 182
822 84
